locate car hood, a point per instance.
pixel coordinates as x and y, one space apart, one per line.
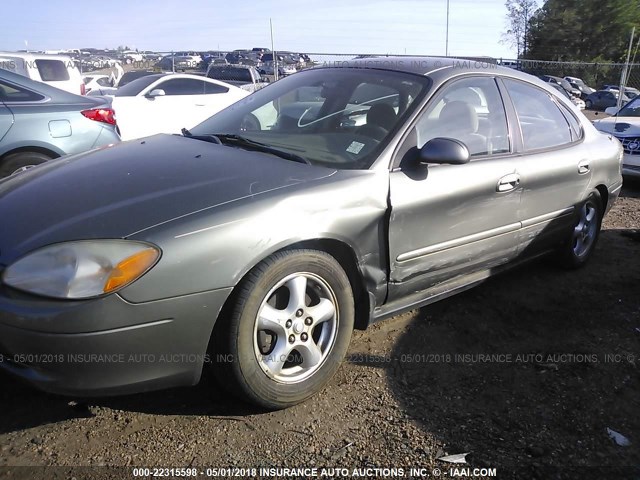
620 126
117 191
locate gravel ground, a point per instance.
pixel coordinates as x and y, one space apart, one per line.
524 373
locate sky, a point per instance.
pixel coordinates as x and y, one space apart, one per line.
413 27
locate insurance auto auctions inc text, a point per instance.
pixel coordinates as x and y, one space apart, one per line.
374 472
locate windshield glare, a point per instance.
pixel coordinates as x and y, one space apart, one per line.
337 117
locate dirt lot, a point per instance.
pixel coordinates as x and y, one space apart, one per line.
525 373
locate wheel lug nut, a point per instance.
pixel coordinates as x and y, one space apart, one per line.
308 321
292 338
299 312
289 323
304 337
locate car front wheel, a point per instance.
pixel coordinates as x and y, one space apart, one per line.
287 331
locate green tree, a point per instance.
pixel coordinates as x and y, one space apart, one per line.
582 30
519 14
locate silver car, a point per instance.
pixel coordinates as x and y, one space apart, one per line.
256 242
39 122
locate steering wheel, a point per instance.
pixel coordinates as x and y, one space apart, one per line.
250 123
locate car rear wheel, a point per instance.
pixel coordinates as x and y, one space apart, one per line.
584 235
588 103
16 162
288 330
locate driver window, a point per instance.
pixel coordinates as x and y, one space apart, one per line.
469 110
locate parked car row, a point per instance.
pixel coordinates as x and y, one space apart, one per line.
263 59
565 88
602 99
39 121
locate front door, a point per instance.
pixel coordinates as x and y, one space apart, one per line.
452 220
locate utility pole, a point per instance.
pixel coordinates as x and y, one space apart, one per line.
446 45
623 76
273 53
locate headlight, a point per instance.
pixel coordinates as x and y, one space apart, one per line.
81 269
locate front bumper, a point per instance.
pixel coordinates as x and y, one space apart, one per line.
631 165
106 346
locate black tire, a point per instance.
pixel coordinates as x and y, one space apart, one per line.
583 237
15 161
242 360
588 104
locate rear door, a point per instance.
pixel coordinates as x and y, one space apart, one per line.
554 167
188 102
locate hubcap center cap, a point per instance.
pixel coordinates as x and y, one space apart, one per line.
298 326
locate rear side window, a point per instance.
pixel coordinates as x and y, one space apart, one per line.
183 86
52 70
213 88
13 93
574 124
230 74
542 123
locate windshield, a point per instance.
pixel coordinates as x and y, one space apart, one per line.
337 117
631 109
134 87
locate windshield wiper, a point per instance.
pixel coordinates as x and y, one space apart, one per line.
240 141
207 138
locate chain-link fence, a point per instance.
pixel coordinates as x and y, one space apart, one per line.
596 75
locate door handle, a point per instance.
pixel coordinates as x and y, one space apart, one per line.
508 182
583 167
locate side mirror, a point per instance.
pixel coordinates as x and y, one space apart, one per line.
611 110
156 92
444 151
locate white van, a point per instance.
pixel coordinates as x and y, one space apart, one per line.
56 70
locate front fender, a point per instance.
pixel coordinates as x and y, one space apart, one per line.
215 249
